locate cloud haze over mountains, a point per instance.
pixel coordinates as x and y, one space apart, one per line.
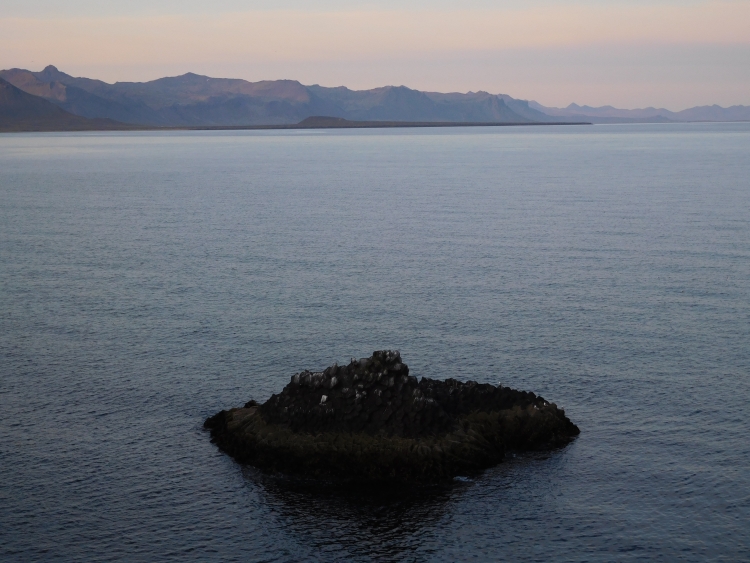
193 100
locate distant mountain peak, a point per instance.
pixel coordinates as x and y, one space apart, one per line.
51 74
188 76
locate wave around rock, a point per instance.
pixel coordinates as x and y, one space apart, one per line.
372 421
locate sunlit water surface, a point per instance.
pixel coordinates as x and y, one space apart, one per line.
150 280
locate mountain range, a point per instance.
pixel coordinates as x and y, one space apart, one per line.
192 100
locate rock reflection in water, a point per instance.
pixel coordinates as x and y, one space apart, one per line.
361 521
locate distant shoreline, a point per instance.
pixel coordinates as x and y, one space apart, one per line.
309 123
302 127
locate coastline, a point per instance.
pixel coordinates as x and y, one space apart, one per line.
309 123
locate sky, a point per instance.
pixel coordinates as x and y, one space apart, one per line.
662 53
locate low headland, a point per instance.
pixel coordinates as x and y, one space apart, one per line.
371 421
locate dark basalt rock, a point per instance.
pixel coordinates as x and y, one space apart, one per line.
371 420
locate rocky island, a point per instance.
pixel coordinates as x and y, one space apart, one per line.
372 421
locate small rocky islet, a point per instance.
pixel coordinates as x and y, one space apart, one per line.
372 421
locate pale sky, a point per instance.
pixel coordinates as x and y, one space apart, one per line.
672 54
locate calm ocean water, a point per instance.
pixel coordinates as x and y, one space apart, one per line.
150 280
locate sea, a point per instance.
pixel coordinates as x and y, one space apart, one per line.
150 279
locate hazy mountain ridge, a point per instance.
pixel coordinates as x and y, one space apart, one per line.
609 114
520 107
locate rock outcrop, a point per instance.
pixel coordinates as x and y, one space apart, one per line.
371 420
